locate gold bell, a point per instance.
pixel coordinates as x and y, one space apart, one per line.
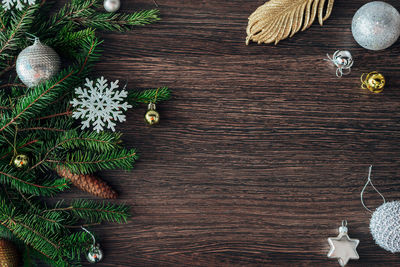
152 117
374 81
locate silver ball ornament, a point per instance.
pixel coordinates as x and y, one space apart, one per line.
385 226
111 5
376 25
37 63
95 254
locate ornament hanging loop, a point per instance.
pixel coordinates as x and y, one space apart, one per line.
343 60
343 229
87 231
369 181
32 37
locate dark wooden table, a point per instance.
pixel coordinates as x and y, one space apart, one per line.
262 151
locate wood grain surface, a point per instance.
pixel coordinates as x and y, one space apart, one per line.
262 151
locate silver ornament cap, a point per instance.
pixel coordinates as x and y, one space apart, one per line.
376 25
385 226
37 63
95 254
111 5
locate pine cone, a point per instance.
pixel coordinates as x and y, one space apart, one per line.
88 183
8 254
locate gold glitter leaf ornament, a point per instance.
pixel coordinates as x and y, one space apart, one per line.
277 19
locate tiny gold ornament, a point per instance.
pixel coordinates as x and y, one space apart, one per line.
373 81
21 161
279 19
8 254
152 117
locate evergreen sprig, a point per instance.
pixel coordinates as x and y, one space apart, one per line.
150 95
37 122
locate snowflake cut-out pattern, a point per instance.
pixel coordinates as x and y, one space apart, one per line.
18 4
100 104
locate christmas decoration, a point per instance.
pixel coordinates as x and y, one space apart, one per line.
18 4
278 19
343 61
152 117
37 63
376 25
8 254
101 104
94 253
373 81
88 183
21 161
37 122
111 5
384 224
343 247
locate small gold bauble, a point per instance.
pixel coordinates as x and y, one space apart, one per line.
21 161
374 81
152 117
8 254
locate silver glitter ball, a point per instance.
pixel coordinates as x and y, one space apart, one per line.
385 226
95 254
111 5
376 25
37 63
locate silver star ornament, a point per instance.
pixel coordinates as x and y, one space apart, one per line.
343 248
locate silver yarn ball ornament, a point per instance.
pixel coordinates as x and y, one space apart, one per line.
376 25
37 63
111 5
385 226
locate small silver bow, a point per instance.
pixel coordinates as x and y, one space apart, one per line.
343 61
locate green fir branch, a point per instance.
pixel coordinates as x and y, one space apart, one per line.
36 122
118 22
88 162
26 183
147 96
93 212
14 36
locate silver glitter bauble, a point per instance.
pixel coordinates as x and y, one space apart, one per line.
376 25
112 5
37 63
95 254
385 226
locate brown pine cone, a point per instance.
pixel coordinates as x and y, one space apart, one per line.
9 256
88 183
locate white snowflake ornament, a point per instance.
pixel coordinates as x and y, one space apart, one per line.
100 104
19 4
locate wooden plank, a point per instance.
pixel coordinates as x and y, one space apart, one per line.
261 152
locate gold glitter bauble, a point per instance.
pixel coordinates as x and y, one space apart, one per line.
21 161
8 254
152 117
373 81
